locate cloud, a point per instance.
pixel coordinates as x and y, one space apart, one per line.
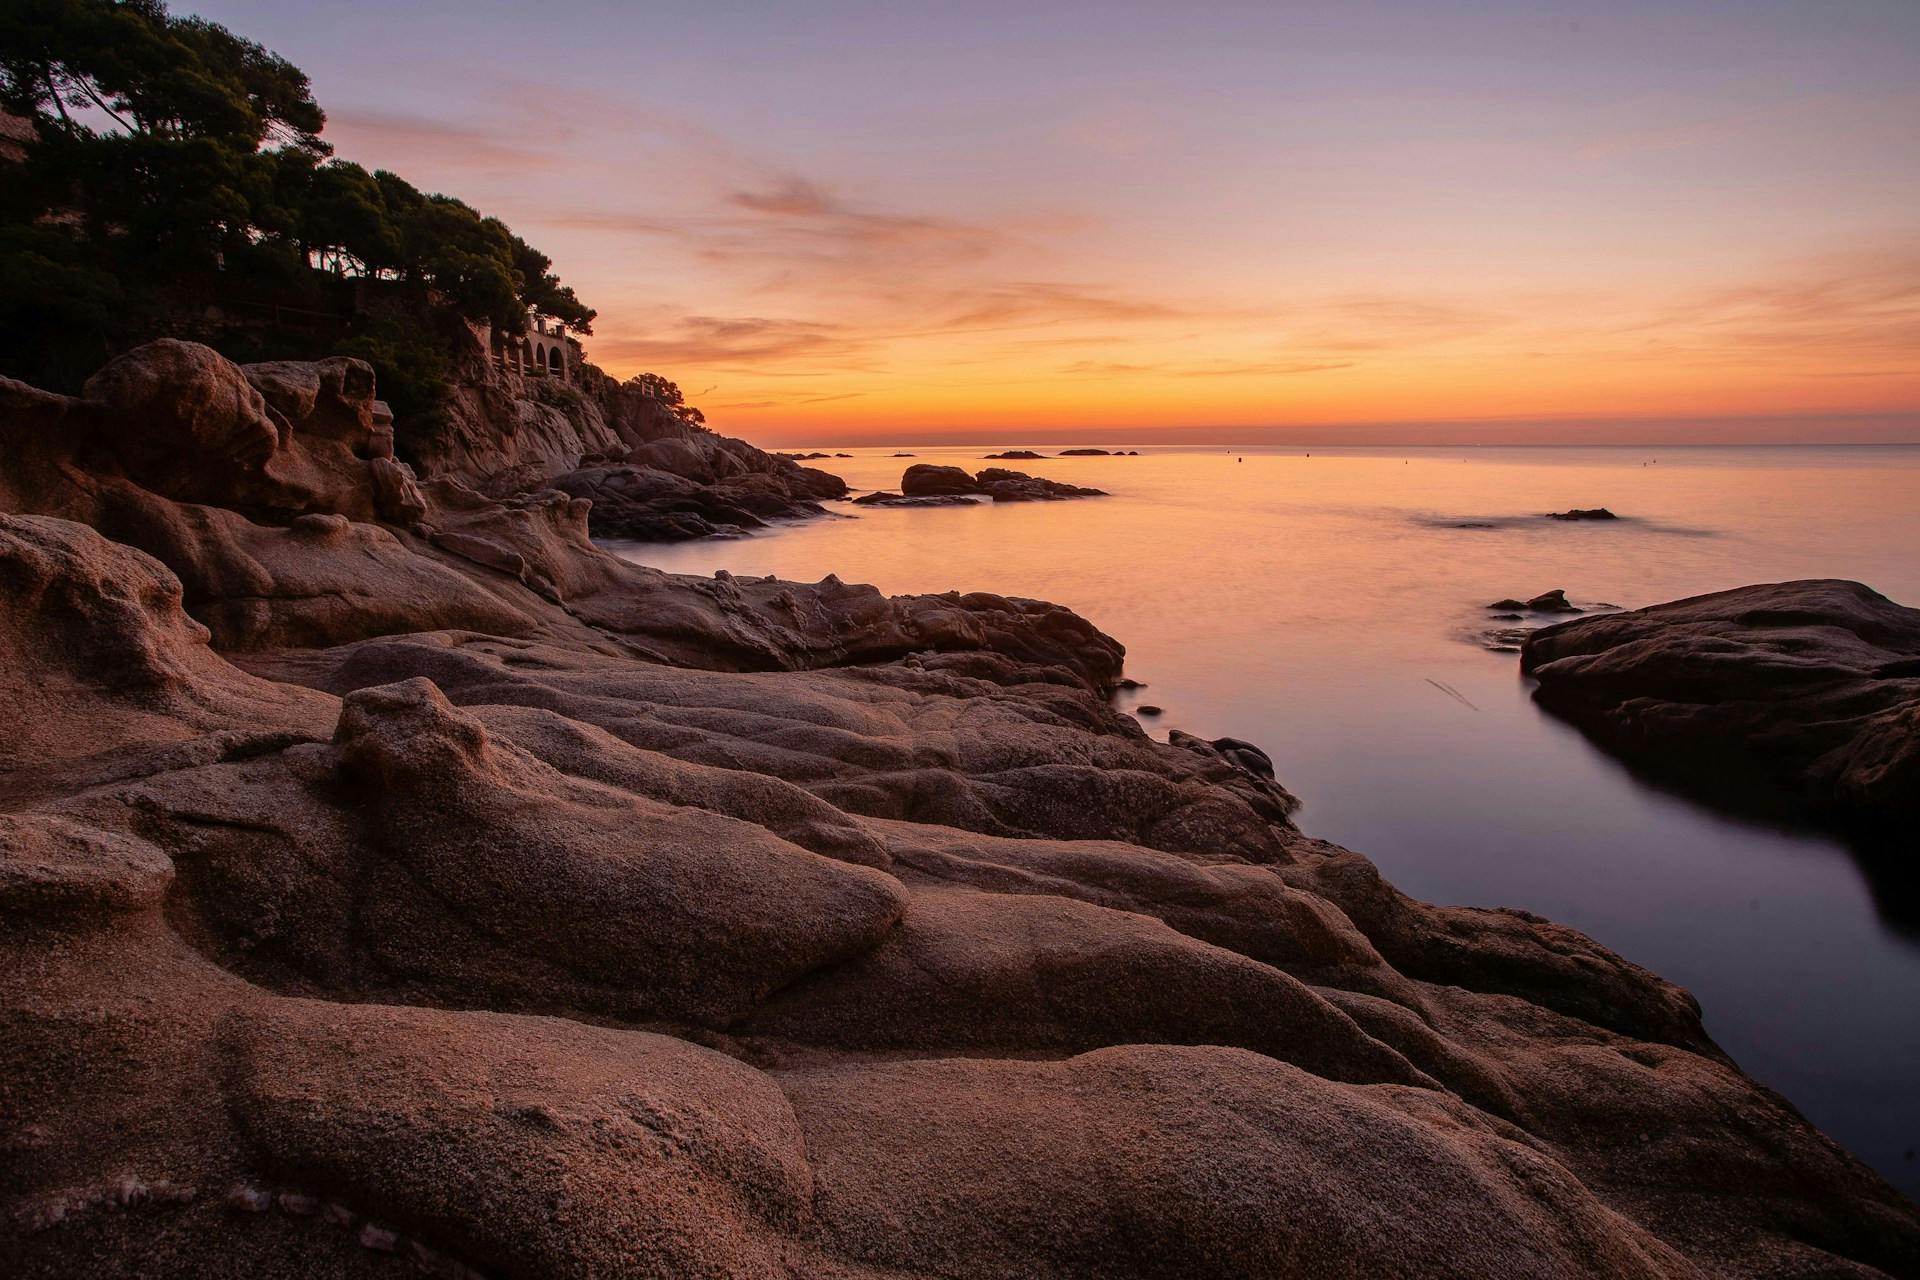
743 342
801 238
405 142
1862 308
1208 369
1021 303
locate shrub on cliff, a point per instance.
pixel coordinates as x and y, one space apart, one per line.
411 367
184 163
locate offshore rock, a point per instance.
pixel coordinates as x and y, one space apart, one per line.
1808 691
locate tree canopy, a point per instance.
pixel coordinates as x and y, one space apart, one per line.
177 165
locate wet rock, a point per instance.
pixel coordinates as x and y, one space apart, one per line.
1017 455
1583 513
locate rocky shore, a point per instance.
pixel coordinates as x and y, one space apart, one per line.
396 883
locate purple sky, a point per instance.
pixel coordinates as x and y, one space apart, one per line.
865 221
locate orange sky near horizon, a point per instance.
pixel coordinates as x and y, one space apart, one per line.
845 223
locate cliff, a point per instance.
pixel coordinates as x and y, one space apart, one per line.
651 474
392 880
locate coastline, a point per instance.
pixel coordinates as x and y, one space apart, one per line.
377 837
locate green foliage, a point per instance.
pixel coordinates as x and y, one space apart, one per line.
410 366
60 312
185 163
151 74
543 290
668 393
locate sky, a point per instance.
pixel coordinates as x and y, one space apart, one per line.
1366 221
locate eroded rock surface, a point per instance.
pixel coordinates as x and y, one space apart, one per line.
1808 690
386 894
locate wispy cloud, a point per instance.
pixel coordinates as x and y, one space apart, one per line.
712 342
1206 369
410 143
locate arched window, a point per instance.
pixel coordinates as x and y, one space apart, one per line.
553 359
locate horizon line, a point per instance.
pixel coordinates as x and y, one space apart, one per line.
1872 428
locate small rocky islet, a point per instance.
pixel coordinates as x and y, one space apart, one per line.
927 485
394 878
1803 692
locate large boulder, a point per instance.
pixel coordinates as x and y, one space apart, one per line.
926 480
187 410
1806 693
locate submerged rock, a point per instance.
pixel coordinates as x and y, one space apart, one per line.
1583 513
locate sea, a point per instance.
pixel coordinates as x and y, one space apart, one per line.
1330 605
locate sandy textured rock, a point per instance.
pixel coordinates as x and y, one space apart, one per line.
520 911
1805 692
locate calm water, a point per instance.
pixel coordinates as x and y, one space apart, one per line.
1317 603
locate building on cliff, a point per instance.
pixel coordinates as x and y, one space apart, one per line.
545 349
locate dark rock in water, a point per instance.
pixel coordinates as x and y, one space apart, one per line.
1806 689
805 457
1129 683
1146 709
1583 513
924 479
1473 524
886 499
648 504
1013 454
1003 485
1085 453
1506 617
1554 601
903 455
843 455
